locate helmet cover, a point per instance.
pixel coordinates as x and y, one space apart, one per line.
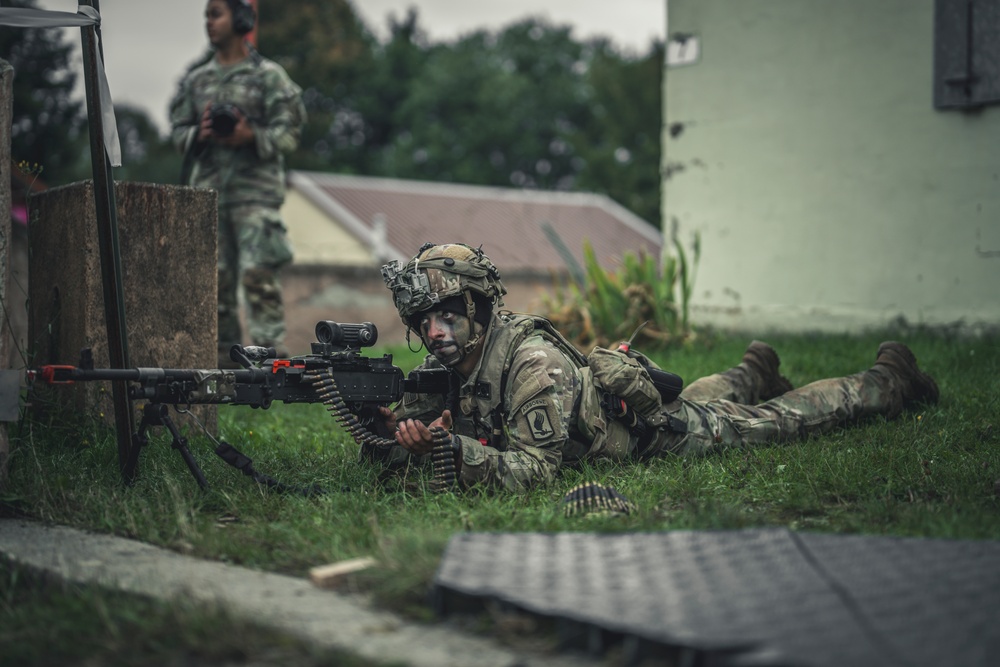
439 272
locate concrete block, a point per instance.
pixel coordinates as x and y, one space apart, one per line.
168 248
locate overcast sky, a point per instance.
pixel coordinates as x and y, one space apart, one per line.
149 43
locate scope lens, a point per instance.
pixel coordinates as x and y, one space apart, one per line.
328 332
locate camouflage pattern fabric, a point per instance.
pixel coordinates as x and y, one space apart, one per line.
250 181
543 407
542 388
253 247
731 421
272 103
537 433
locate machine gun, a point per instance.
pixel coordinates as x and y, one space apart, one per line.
352 387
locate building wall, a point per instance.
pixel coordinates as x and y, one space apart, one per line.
315 240
829 194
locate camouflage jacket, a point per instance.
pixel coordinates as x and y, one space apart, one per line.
272 103
517 429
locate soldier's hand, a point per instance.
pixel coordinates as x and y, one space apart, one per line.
242 132
444 421
415 437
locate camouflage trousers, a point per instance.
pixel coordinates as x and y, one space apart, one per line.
252 249
719 411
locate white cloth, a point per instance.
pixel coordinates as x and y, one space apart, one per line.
85 16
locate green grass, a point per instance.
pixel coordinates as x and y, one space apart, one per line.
929 473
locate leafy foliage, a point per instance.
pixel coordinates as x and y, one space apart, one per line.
527 105
47 124
620 141
524 106
146 157
609 306
328 52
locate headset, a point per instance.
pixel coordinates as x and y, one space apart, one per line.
243 16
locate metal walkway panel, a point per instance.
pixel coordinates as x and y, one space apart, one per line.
930 602
754 597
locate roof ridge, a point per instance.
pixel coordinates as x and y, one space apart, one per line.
438 188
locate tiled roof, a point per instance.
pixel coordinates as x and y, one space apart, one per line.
508 223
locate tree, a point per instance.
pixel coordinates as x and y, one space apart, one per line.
327 51
146 156
494 109
46 124
620 143
527 105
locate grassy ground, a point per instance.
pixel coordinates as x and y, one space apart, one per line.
933 472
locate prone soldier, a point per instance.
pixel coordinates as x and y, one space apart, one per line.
523 401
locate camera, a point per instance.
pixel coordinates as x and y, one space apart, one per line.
224 118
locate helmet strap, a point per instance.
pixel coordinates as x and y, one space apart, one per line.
470 311
409 346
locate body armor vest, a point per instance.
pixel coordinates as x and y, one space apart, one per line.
484 401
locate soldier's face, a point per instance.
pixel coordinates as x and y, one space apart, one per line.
445 334
218 22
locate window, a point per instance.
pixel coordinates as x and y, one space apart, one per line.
966 53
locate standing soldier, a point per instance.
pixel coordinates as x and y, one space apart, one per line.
234 117
524 402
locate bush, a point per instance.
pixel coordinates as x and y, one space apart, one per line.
599 307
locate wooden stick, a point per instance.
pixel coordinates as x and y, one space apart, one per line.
332 575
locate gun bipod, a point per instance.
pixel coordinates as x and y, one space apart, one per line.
158 414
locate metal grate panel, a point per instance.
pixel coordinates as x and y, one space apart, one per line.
758 597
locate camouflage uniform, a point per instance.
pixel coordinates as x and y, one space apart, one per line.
515 435
719 411
517 428
250 181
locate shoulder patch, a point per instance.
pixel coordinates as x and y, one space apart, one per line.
538 420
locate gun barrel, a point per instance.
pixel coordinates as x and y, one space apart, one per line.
54 374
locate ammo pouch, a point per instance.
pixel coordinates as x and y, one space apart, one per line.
634 391
625 377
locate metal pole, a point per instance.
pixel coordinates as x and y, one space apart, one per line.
107 236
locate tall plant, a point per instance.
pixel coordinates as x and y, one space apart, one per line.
607 307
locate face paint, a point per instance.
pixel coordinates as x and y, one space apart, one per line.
445 334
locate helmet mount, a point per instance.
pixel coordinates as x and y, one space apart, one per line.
436 275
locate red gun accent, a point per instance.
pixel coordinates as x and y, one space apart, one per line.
48 374
284 363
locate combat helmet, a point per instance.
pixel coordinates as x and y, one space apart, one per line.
440 274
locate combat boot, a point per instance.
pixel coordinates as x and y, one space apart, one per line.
764 361
915 385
